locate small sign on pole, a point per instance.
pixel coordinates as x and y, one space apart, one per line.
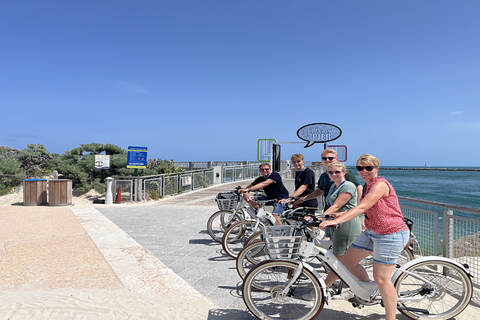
102 161
137 158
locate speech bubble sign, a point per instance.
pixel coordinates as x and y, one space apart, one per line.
318 133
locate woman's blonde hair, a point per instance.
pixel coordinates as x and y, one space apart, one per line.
337 164
367 158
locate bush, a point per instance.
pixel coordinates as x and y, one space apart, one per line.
11 173
154 195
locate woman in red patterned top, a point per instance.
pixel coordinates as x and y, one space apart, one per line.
386 233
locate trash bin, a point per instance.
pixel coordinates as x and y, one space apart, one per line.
60 192
34 192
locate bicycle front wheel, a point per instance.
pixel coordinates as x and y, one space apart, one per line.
237 235
449 294
251 255
303 300
219 222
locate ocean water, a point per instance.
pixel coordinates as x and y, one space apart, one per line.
451 187
460 188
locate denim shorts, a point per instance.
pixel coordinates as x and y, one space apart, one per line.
278 208
385 247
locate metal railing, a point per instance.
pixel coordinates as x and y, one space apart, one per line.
172 183
137 188
441 232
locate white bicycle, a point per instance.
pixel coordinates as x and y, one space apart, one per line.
427 287
232 208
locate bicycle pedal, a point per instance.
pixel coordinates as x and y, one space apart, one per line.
358 305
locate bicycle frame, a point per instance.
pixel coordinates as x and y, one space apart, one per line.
367 291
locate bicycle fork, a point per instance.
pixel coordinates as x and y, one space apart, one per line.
293 275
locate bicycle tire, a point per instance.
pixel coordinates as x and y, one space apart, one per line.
453 292
218 223
270 304
254 237
251 255
236 236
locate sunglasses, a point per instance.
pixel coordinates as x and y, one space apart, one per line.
334 172
368 168
265 169
329 158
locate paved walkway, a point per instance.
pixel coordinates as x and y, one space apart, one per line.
127 261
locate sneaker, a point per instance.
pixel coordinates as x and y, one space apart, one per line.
345 295
355 300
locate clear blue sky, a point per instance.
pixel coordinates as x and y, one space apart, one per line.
203 80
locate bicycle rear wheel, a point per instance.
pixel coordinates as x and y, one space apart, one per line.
220 221
237 235
270 303
450 293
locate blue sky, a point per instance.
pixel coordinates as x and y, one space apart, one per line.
204 80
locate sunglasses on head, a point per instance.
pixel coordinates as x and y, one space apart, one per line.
329 158
336 172
368 168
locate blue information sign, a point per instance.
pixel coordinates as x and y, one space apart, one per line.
137 157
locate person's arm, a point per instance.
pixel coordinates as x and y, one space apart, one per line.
300 190
315 194
339 203
257 186
379 190
359 194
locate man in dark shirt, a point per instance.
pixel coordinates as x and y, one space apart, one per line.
272 185
304 181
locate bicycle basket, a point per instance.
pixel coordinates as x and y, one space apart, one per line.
226 200
280 242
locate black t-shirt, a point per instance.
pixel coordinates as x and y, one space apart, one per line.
306 177
275 190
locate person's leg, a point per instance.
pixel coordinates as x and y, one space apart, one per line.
277 212
351 259
249 200
382 274
385 253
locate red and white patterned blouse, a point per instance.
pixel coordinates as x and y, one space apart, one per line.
385 216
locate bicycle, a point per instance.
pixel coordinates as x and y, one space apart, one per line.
239 233
427 287
232 208
255 251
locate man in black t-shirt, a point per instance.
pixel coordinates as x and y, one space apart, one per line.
272 185
304 181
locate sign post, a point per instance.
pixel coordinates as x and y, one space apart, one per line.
102 162
137 159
